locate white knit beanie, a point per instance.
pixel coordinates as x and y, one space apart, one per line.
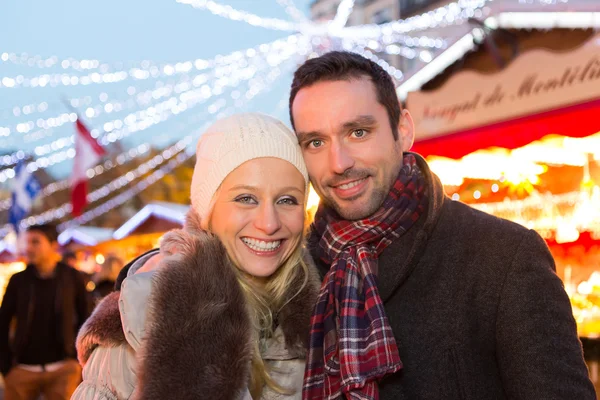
232 141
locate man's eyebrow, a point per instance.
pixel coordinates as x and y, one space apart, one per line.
307 136
361 121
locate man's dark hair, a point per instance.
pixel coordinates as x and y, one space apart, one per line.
342 65
48 230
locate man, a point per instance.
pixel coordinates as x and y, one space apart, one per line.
49 303
423 297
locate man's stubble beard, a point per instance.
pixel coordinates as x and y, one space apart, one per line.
377 197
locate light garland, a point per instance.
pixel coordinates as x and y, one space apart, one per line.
146 71
342 14
399 40
145 119
264 52
160 173
109 106
256 86
231 13
293 11
120 159
437 64
54 80
561 216
392 49
390 69
545 20
98 170
105 190
128 194
48 62
451 14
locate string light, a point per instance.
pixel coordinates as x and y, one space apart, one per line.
231 13
161 112
161 172
545 20
258 85
442 61
517 166
390 69
341 16
120 159
293 11
400 41
451 14
553 215
105 190
143 73
48 62
54 80
128 194
109 106
264 53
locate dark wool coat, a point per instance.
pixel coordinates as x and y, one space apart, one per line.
477 310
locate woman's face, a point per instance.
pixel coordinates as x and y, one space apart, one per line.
259 213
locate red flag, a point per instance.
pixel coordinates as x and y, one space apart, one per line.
87 154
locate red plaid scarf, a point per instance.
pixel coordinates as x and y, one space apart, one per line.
351 343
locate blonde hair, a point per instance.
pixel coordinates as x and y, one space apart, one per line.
263 302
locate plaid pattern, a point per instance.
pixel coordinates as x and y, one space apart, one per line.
351 343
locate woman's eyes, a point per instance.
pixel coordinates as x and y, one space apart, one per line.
290 201
246 199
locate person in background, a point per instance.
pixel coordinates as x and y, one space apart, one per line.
49 304
104 280
69 258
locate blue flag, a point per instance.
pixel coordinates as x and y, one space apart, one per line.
25 188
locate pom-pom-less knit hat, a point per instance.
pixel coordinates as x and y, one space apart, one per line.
232 141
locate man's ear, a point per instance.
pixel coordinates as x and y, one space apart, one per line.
406 130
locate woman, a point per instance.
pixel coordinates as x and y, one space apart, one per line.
223 312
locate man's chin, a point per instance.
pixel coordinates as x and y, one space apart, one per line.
355 211
358 207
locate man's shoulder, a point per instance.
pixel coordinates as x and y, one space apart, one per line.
478 225
71 273
19 277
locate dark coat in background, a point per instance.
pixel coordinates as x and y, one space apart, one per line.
71 311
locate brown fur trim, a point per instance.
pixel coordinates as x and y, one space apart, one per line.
192 222
198 336
294 317
102 328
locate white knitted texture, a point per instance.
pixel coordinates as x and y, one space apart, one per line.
232 141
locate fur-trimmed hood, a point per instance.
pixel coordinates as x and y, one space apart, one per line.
199 340
103 328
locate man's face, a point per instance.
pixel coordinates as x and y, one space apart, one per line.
348 144
38 248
